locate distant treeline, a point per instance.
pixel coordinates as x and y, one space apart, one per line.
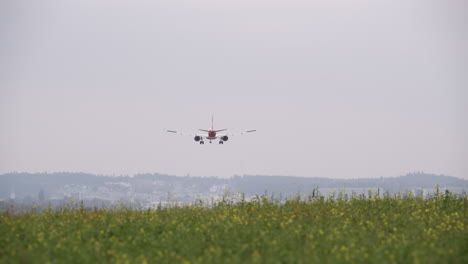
30 184
254 184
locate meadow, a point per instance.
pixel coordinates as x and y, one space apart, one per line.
310 229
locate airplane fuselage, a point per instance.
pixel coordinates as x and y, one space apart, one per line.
211 134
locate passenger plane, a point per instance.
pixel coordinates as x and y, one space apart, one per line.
212 134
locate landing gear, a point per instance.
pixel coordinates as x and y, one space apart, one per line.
221 142
202 142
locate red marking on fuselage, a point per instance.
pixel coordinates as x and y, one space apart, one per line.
211 134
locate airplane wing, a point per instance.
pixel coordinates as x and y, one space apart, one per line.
237 133
248 131
186 134
219 130
175 132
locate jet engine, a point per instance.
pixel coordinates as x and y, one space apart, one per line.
197 138
224 138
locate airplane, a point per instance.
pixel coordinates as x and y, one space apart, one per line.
212 134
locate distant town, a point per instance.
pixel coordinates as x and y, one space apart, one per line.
152 190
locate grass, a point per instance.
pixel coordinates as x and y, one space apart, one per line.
264 230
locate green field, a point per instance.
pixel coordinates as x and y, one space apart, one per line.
264 230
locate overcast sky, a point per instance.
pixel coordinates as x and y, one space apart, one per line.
335 88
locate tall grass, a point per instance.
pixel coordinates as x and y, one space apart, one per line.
311 229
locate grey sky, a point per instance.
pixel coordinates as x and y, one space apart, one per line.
335 88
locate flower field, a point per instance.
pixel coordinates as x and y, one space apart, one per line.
375 229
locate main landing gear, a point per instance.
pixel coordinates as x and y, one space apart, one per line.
221 142
202 142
